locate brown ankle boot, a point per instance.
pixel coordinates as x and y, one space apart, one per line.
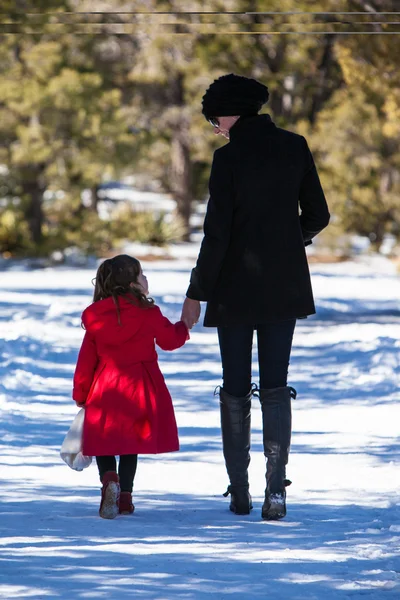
126 506
110 492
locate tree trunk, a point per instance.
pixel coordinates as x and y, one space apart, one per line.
33 189
181 164
378 235
323 92
94 197
181 179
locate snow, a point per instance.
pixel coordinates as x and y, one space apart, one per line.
340 539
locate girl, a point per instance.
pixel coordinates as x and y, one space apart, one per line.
128 409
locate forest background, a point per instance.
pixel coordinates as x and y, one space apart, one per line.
105 91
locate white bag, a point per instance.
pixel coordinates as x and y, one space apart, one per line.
71 449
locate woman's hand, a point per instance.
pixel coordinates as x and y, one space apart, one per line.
190 312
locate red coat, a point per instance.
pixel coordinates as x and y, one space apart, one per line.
128 408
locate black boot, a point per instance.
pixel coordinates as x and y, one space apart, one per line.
235 427
277 429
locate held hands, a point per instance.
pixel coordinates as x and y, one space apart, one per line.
190 312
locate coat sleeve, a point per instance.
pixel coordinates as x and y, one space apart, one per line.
85 369
217 231
314 216
169 336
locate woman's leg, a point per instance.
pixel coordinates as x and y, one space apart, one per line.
274 348
106 463
236 343
235 405
127 471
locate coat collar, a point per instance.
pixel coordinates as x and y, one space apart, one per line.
249 127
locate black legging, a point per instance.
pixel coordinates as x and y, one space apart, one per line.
126 469
274 347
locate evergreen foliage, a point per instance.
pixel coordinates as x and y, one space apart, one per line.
84 99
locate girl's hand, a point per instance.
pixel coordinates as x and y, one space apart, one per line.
80 405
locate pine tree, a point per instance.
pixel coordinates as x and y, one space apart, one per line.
357 133
62 123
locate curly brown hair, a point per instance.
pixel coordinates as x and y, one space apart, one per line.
114 278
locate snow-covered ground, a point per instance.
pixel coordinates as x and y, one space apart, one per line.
340 539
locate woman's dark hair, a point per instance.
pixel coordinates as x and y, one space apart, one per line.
113 279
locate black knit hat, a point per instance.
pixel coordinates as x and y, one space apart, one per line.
234 95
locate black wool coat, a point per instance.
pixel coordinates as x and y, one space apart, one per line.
266 203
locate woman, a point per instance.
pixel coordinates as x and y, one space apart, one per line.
252 271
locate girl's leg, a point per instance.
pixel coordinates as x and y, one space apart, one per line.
127 471
106 463
110 491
